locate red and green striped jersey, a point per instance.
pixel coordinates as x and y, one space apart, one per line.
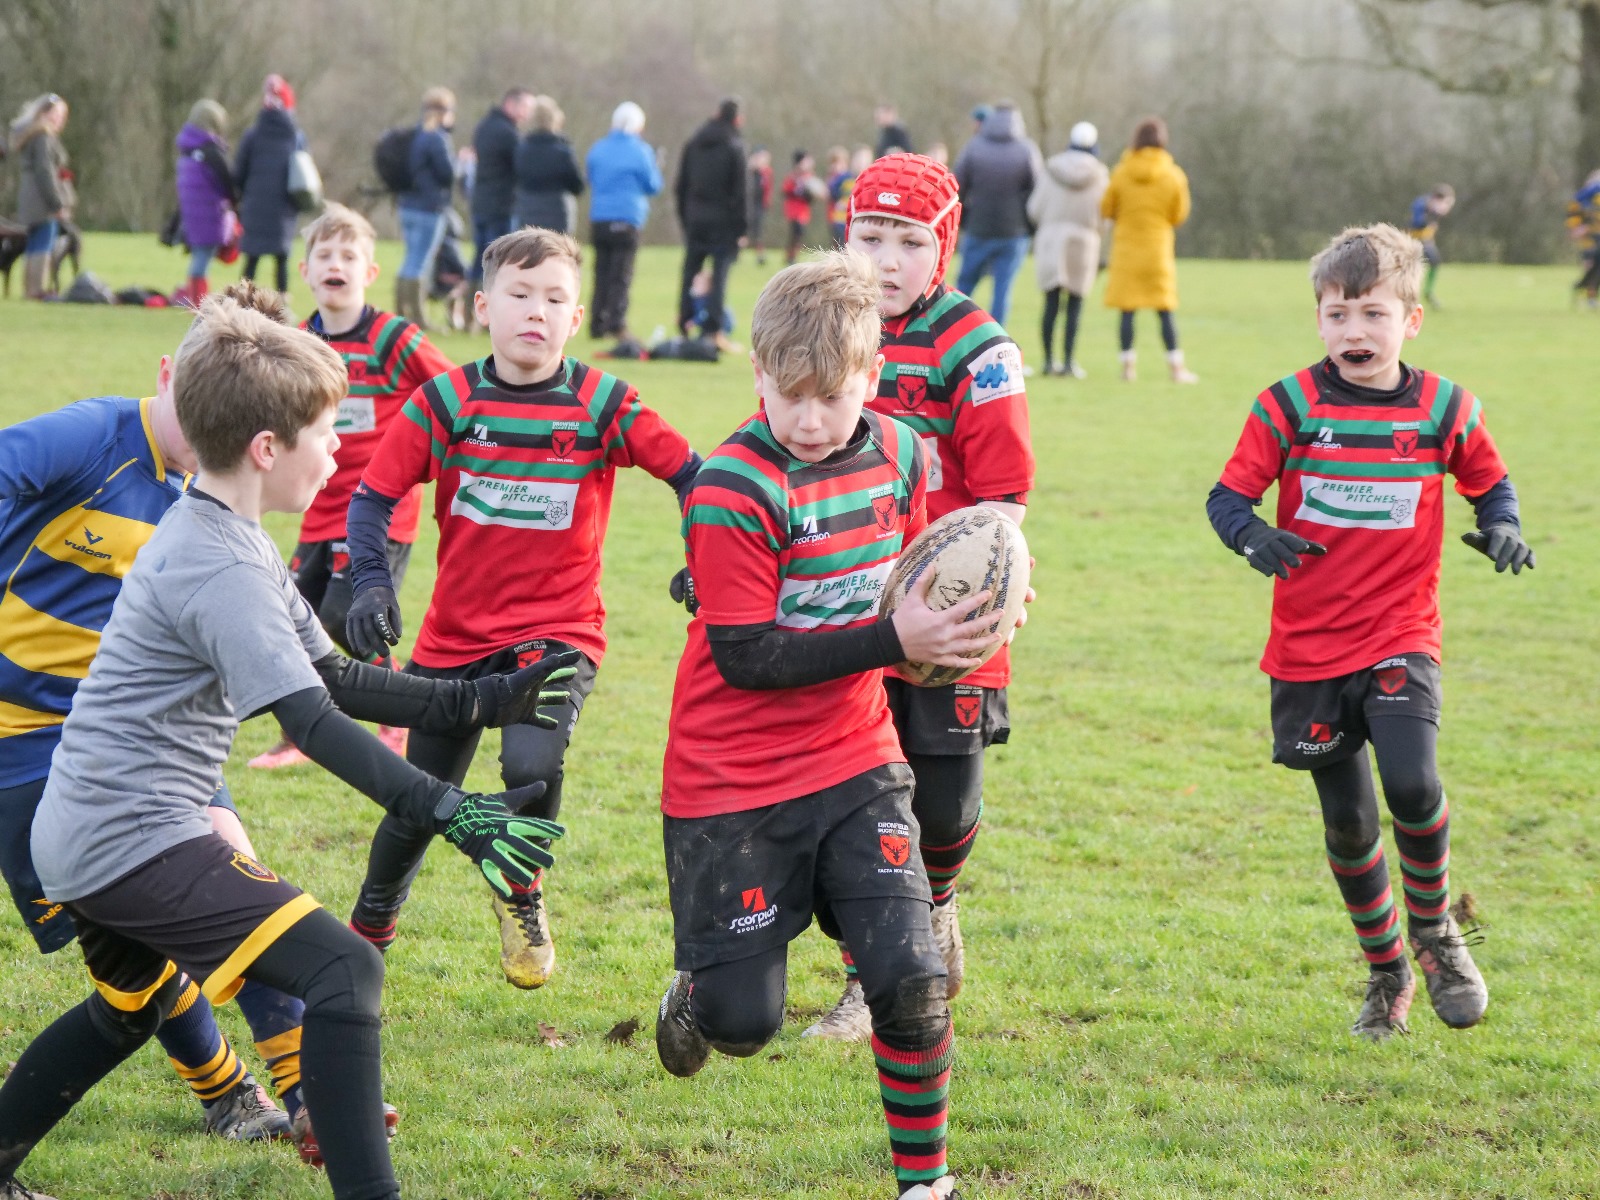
388 358
525 476
1362 472
955 376
775 541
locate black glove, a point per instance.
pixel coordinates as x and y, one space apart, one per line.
374 623
1504 544
520 697
681 589
1273 551
487 830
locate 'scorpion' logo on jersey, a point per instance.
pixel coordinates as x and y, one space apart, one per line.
884 509
1321 732
753 899
562 441
968 708
896 849
246 865
1390 679
913 391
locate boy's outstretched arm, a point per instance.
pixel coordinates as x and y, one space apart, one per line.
1499 532
1270 550
451 707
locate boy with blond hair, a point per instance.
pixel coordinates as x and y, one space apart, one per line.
525 446
792 527
208 628
388 358
1359 445
954 377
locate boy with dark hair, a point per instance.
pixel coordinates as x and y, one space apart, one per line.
954 376
793 526
81 490
388 358
1427 211
1583 224
1359 445
524 445
801 188
209 628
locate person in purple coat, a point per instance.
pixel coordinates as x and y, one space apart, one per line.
206 194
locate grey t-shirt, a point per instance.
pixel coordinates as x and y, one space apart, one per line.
208 628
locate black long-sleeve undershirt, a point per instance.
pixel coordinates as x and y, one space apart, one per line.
451 707
763 657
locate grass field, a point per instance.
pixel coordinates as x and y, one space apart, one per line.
1160 973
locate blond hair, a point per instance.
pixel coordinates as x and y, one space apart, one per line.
1362 257
817 323
337 221
546 115
528 247
270 303
436 101
238 373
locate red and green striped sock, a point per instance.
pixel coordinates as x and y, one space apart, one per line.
1364 883
915 1087
849 963
944 863
1425 864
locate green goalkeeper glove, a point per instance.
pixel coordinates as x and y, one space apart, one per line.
486 828
1504 544
521 697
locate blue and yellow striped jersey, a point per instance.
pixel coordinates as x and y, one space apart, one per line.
81 490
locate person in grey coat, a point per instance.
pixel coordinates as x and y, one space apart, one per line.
261 174
996 172
1065 211
548 177
45 195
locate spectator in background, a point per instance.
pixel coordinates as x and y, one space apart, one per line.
422 205
892 135
45 194
940 153
1147 199
261 175
548 178
710 193
1427 211
996 172
759 194
205 193
838 182
494 184
623 175
1065 211
801 188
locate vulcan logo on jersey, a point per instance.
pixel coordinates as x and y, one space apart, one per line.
51 910
758 914
248 866
92 539
1354 504
1405 438
1320 739
996 373
809 533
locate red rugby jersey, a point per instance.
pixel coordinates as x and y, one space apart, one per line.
388 358
955 376
808 547
1362 472
525 478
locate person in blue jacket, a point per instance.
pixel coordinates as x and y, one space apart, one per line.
422 205
623 175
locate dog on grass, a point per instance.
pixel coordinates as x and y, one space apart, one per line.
68 246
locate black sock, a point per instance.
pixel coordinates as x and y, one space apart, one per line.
57 1068
342 1084
1074 311
1047 327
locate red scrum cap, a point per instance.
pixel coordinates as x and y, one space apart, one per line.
915 189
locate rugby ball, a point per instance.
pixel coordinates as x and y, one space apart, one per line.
968 551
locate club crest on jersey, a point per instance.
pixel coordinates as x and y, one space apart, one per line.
562 442
884 510
246 865
896 848
968 708
1390 679
913 390
341 562
1405 440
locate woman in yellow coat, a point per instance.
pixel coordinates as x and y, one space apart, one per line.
1147 200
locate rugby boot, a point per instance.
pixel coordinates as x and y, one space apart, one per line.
1388 1001
244 1113
394 737
284 754
1130 366
942 1188
12 1190
680 1045
846 1021
305 1138
947 940
1455 987
1180 373
527 951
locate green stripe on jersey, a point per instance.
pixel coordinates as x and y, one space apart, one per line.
726 518
1297 396
509 469
836 563
1364 470
1259 412
773 489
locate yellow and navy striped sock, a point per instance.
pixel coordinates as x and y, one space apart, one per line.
197 1048
275 1019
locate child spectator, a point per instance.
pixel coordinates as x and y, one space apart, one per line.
838 184
758 196
954 377
1358 445
801 188
524 445
770 818
206 194
208 628
1426 212
1583 223
388 358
